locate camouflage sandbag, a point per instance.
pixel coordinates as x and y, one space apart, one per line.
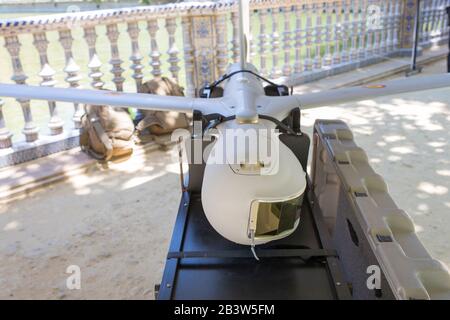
106 133
161 122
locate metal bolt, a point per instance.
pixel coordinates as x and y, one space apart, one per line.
168 285
338 283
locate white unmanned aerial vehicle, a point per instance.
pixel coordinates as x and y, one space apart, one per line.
242 204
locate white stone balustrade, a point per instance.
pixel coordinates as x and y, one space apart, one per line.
193 42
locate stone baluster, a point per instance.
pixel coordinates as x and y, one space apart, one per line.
445 27
422 20
354 31
72 69
188 48
337 33
370 26
318 38
389 26
298 67
396 26
264 43
328 58
275 73
427 21
385 27
253 43
112 32
434 18
442 17
308 59
362 30
222 42
345 31
439 6
171 26
30 130
287 69
152 28
90 35
235 42
41 43
55 124
5 134
136 57
430 20
376 50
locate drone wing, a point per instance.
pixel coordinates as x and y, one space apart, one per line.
338 96
111 98
280 108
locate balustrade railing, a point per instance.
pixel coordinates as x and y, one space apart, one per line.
192 42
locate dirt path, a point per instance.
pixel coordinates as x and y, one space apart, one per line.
115 225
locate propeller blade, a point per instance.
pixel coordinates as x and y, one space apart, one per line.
111 98
387 88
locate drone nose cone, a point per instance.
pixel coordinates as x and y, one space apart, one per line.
249 184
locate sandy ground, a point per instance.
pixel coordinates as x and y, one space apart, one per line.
116 224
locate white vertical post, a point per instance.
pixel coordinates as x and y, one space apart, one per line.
244 32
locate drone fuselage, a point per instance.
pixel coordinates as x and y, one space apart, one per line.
249 172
